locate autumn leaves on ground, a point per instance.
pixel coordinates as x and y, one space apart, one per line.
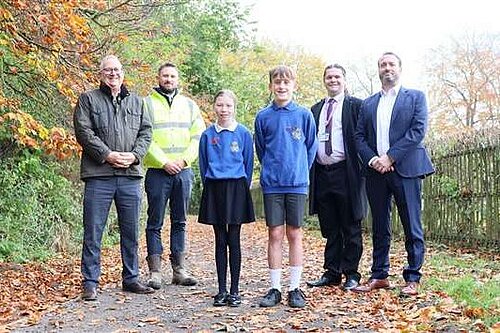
44 297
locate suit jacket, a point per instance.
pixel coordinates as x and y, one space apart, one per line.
406 133
355 180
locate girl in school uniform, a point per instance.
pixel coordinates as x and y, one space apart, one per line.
226 166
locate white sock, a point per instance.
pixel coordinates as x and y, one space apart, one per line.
275 275
295 277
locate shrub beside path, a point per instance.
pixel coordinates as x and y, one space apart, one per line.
45 297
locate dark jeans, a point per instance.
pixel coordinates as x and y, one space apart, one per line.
176 190
98 196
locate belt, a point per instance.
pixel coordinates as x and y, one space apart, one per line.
329 167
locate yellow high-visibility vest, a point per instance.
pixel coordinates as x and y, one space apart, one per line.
176 130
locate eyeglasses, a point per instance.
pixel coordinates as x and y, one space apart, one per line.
111 70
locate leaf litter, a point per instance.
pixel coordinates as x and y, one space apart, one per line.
34 291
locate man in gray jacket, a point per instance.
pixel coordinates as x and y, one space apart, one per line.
114 131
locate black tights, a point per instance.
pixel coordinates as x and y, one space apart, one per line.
228 236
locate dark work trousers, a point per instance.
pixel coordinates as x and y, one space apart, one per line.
162 188
344 244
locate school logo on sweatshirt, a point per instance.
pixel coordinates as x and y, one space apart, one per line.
295 132
235 147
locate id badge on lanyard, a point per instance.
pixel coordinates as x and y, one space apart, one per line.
323 136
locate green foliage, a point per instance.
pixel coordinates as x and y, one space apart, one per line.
194 204
472 294
190 34
448 186
39 210
311 222
209 40
469 281
212 26
462 200
245 71
111 234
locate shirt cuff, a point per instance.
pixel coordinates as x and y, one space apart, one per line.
371 161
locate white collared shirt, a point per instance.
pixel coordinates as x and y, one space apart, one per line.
337 141
384 114
231 127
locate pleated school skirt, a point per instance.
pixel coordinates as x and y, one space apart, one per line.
226 201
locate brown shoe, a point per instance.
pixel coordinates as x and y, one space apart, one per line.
89 293
372 284
137 288
410 289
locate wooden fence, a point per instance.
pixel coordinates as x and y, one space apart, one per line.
461 201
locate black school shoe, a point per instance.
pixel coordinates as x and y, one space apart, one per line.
296 298
234 300
272 298
220 299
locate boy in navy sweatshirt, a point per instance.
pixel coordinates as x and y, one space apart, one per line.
286 144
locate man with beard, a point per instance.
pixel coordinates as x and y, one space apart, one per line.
177 127
389 138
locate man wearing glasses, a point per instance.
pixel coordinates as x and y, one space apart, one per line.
114 131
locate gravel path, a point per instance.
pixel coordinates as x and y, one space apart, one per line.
189 309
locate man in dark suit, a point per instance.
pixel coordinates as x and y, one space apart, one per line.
389 137
337 190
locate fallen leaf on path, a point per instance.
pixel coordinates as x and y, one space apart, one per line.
150 320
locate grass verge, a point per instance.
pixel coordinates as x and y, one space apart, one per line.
472 281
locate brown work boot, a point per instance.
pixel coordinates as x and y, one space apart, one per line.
180 275
154 264
89 293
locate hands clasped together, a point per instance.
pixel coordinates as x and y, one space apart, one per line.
383 164
121 160
174 167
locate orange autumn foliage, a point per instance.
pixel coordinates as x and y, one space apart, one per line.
29 133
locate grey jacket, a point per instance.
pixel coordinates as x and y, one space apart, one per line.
103 124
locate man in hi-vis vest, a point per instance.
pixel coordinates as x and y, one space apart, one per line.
177 127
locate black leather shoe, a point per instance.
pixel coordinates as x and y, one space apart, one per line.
89 293
326 280
137 288
220 299
296 298
234 300
272 298
350 283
